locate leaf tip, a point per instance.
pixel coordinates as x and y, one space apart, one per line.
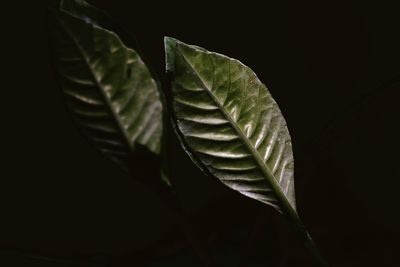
169 40
170 45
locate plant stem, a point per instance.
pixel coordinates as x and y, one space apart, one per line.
312 248
288 210
305 237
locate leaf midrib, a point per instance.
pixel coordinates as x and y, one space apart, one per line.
282 199
98 83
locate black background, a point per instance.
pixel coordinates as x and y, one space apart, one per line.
325 62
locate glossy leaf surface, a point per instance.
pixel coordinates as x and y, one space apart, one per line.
230 124
109 90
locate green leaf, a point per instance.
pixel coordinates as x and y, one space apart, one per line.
230 124
109 90
232 128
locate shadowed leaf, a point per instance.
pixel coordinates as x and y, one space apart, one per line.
109 90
